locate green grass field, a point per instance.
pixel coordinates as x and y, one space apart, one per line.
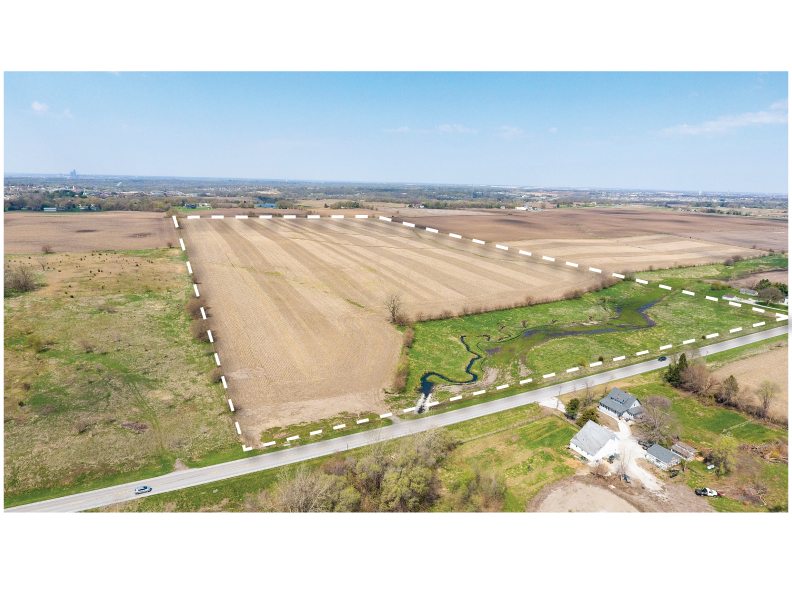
117 390
519 343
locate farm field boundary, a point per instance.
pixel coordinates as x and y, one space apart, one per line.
545 376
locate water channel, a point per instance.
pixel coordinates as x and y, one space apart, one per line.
625 321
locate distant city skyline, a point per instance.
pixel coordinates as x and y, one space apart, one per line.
710 132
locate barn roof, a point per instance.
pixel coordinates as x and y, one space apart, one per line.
592 437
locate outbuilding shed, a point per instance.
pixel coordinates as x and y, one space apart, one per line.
684 450
662 457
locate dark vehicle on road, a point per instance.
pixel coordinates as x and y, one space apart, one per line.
708 492
627 479
143 489
663 358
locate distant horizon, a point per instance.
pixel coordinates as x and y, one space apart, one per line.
656 131
416 183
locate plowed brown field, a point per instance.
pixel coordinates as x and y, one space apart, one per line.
611 224
297 306
25 232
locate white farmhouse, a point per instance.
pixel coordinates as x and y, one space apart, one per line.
594 442
620 404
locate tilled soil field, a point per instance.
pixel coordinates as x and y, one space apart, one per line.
634 253
777 239
772 366
297 305
610 224
26 232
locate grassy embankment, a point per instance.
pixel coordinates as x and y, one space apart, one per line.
103 382
437 346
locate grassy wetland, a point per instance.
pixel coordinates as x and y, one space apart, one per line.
104 383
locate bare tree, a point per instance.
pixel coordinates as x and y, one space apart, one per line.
699 379
42 263
658 422
20 278
394 305
587 394
621 469
304 490
767 392
47 249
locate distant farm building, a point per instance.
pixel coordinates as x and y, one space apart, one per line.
50 209
748 292
620 404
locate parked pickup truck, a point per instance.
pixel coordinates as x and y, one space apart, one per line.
708 492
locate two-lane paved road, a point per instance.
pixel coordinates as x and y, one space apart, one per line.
200 476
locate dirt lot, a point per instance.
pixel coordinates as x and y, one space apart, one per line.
25 232
298 305
591 494
778 276
576 496
772 365
611 224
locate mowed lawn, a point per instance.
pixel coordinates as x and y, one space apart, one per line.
500 336
103 382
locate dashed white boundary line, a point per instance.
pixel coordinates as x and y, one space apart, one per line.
779 317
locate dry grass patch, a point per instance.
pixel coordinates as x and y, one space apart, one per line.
112 390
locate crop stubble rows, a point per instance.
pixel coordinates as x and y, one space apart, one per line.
297 306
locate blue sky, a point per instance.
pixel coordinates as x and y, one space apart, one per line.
681 131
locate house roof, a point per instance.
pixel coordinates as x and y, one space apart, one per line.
685 447
618 401
592 438
662 454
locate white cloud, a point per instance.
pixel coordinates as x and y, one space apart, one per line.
777 115
510 132
39 107
455 128
553 130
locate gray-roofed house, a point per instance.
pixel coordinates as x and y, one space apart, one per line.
684 450
594 442
620 404
662 457
745 291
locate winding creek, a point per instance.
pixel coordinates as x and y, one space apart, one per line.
628 319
